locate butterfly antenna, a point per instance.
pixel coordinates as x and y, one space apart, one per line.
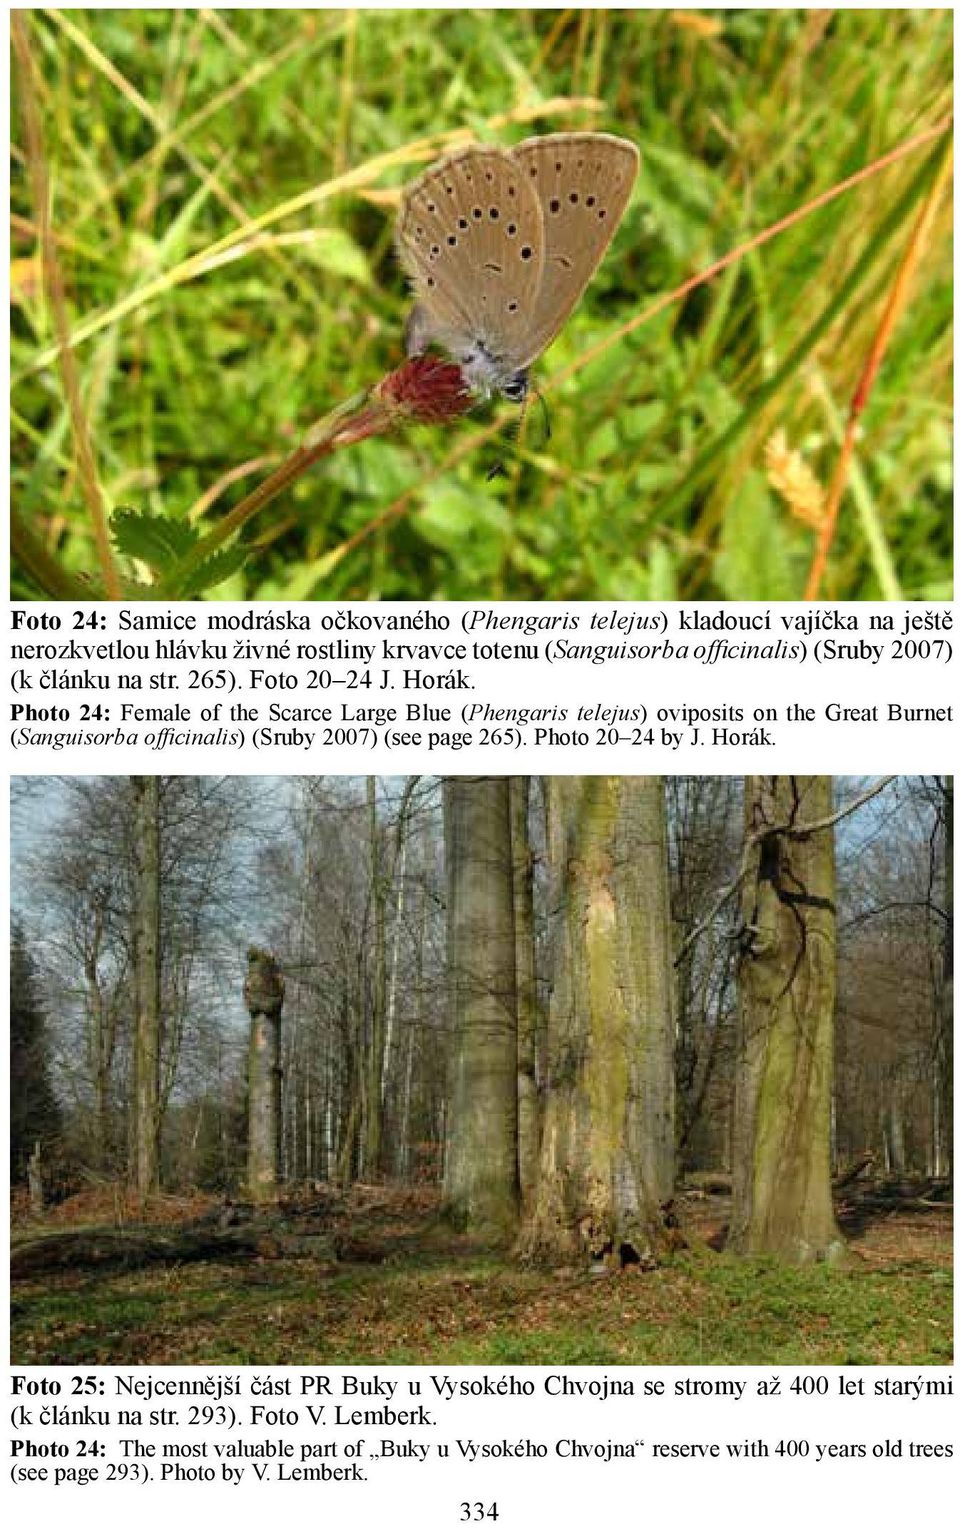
511 433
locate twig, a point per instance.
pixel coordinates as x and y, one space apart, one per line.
927 906
808 828
895 305
752 839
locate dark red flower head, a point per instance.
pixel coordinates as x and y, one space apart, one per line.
426 388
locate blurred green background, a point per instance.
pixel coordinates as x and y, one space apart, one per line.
168 131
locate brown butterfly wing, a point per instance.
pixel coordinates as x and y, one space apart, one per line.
583 181
470 237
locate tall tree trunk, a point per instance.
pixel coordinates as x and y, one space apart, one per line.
146 1057
944 1055
896 1145
481 1192
351 1080
101 1042
528 1102
390 1018
415 1036
263 997
450 856
308 1164
781 1168
607 1155
373 1097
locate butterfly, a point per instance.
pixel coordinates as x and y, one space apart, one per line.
499 245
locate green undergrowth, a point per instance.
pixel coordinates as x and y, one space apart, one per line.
227 290
480 1309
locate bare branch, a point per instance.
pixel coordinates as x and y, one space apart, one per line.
753 838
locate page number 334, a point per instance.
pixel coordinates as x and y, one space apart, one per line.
475 1513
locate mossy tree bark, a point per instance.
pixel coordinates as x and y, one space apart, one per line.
373 1099
943 1058
528 1104
607 1152
263 996
397 874
146 943
480 1188
782 1202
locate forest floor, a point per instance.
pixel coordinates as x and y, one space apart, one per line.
409 1291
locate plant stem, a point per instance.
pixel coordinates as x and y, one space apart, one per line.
53 282
344 425
45 570
867 509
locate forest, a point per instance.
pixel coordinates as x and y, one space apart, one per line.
482 1069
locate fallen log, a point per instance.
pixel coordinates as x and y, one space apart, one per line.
132 1248
876 1203
854 1172
891 1190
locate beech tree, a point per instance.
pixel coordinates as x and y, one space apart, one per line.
893 1084
480 1188
704 829
146 968
353 910
387 872
943 1147
131 886
528 1101
373 1075
607 1152
34 1111
939 914
87 889
782 1201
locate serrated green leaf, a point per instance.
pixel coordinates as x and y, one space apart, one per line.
160 542
219 566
